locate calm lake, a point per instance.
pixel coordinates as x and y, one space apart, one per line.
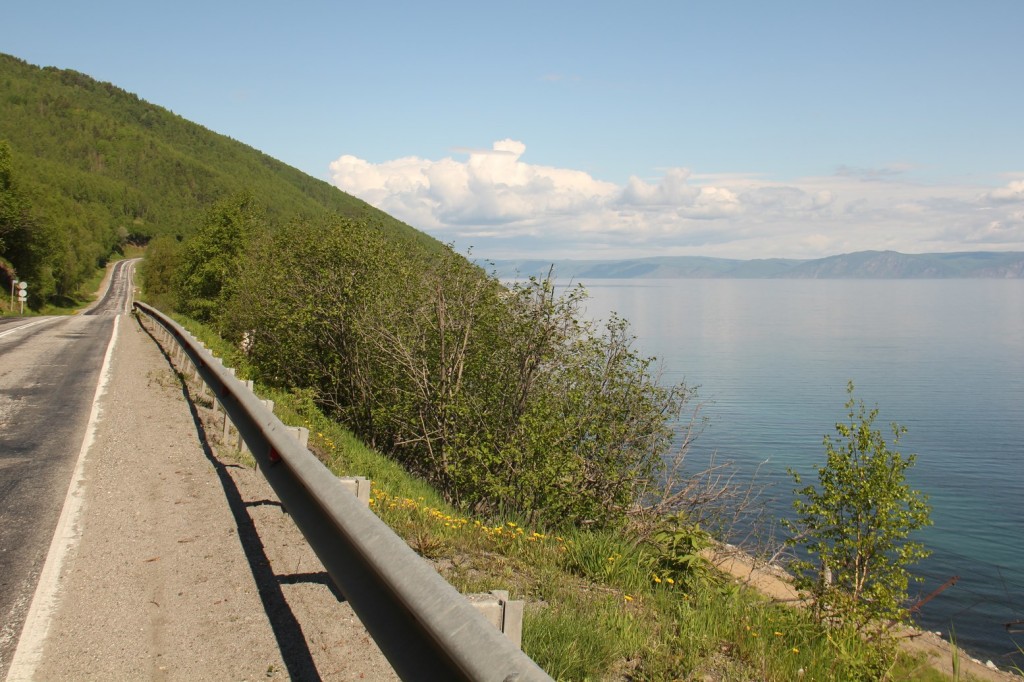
945 358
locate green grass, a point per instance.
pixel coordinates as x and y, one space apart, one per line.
599 604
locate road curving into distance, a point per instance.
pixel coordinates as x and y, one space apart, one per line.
49 370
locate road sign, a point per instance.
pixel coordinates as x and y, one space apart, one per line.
22 295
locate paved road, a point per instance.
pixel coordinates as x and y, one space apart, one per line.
49 368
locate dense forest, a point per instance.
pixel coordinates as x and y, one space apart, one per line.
86 168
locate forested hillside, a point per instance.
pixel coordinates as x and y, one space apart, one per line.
88 167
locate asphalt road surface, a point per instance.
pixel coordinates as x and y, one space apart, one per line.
49 369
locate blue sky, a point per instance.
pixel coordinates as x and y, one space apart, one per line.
739 129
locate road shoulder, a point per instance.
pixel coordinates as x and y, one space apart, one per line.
187 568
158 586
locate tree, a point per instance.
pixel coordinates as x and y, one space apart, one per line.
210 261
857 522
11 202
307 315
158 271
26 244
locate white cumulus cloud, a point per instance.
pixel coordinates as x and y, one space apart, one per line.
491 187
1012 193
504 206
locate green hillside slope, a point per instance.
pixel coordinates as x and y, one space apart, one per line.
98 166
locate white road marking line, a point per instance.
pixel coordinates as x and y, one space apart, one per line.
26 326
65 537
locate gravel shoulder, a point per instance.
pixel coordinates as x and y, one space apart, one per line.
186 567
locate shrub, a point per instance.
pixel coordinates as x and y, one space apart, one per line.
503 399
857 522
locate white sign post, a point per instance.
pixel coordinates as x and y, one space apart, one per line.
22 295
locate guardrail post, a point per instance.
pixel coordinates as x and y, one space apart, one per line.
358 486
301 434
501 612
240 445
227 420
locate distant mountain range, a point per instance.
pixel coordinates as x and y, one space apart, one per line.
859 265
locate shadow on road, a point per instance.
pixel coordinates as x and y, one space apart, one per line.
287 631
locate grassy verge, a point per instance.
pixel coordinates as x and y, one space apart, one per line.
600 604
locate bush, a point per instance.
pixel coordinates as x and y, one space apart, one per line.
503 399
857 522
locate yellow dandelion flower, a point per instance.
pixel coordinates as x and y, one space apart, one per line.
777 633
657 579
670 581
627 598
796 650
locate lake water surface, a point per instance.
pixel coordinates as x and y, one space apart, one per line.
945 358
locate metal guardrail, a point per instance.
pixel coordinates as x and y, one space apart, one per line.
423 625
